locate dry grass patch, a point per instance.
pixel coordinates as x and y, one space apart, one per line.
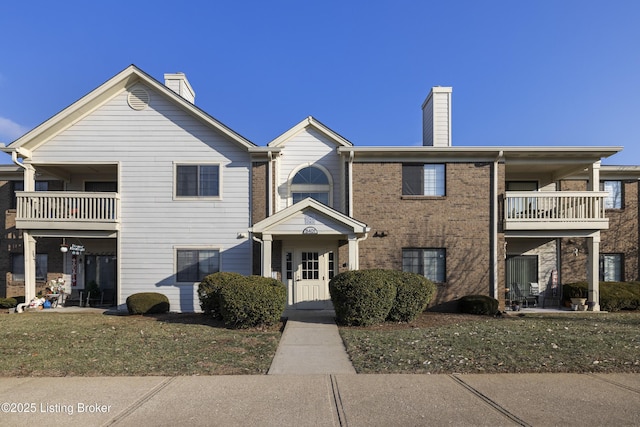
93 344
448 343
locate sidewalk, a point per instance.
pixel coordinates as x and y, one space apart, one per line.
311 344
325 400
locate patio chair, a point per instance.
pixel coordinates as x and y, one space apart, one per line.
74 298
534 293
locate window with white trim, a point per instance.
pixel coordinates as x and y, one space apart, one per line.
423 180
614 198
194 264
17 266
611 267
198 180
429 262
311 182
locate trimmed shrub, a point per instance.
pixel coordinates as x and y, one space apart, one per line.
147 303
413 294
8 302
478 304
252 301
614 296
362 297
209 291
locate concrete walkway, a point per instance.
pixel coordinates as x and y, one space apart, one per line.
324 400
311 344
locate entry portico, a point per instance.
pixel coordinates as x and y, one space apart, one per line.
309 236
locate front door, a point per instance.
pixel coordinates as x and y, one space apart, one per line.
312 270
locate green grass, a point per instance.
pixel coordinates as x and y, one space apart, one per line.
93 344
476 344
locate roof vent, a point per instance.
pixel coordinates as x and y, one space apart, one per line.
138 98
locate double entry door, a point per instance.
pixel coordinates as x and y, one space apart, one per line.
308 271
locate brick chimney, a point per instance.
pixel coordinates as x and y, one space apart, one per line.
178 83
436 118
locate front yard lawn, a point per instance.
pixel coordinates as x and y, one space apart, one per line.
441 343
94 344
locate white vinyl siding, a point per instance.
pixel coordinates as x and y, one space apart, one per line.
308 148
146 145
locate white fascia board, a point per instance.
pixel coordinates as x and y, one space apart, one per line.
310 121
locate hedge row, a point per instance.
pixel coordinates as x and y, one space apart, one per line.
367 297
614 296
243 301
478 304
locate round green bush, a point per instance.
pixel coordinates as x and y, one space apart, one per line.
147 303
253 301
362 297
413 294
209 291
479 304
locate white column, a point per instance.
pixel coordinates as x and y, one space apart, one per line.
29 178
29 244
354 263
594 177
593 273
267 241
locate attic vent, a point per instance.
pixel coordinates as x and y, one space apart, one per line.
138 98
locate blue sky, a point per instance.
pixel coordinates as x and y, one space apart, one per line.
524 73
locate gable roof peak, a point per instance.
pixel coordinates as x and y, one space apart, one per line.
310 121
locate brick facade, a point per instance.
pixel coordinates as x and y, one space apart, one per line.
622 237
460 223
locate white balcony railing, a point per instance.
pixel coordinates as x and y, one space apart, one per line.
66 207
555 209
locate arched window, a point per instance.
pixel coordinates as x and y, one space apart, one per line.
313 182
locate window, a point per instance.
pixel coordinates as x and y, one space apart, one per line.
198 180
194 264
423 180
311 182
428 262
17 266
611 267
614 198
19 186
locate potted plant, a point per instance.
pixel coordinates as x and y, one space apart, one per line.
578 299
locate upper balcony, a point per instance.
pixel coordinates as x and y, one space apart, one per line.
555 210
67 210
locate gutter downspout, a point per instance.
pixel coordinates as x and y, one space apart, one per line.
494 225
270 184
350 183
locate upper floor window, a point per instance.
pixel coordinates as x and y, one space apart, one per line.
19 186
311 182
614 198
198 180
423 180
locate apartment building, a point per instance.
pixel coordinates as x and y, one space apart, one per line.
147 192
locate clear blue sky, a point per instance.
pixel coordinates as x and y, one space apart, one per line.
543 72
